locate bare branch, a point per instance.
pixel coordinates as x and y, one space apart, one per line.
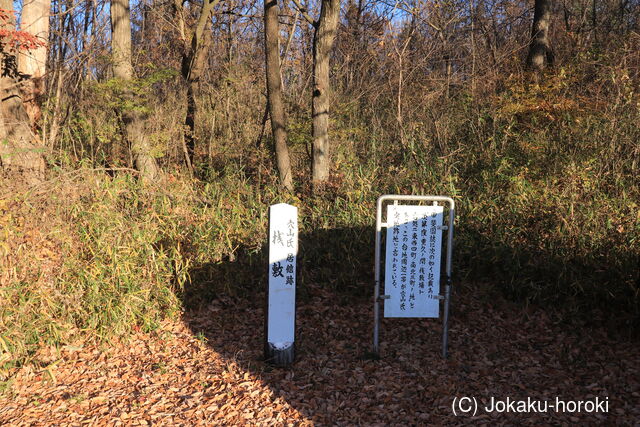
305 13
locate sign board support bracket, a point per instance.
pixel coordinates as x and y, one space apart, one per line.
377 297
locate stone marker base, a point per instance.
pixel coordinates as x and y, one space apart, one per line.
282 357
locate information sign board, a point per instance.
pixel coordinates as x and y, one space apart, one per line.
412 267
281 298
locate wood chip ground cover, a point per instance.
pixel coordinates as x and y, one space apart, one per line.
206 370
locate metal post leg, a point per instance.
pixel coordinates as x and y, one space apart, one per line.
445 323
376 321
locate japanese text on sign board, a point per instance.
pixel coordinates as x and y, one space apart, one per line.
412 267
283 250
285 239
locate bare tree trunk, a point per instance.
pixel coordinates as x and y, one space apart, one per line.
121 39
193 67
274 91
55 117
19 149
322 45
192 76
193 62
35 20
401 57
134 120
540 53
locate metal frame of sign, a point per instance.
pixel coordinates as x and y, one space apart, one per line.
377 298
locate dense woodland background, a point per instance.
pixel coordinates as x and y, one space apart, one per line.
140 153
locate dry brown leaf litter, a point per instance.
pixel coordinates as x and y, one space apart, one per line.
174 376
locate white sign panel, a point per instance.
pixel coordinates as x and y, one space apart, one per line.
283 250
412 264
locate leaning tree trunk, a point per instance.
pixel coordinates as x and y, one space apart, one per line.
133 119
20 150
322 45
540 52
193 63
274 91
32 63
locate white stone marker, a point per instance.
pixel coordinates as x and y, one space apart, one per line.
412 261
281 295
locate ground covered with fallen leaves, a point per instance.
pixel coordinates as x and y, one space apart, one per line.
206 370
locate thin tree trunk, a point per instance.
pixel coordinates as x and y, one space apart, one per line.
399 115
192 74
292 33
274 91
190 125
265 115
322 45
134 120
540 53
594 21
55 120
193 62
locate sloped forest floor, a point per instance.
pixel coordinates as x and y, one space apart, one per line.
206 370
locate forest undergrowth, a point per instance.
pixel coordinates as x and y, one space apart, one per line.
545 177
